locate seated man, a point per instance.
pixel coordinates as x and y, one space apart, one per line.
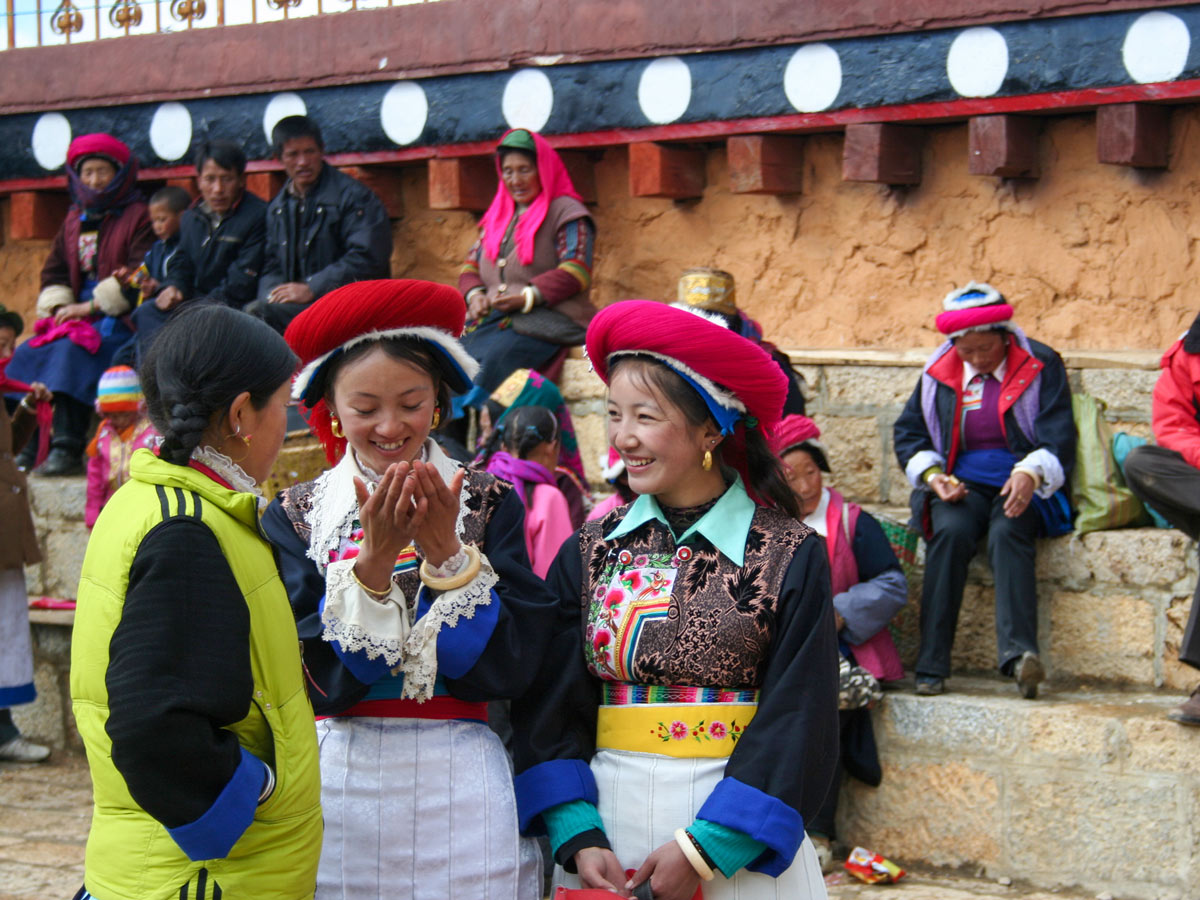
221 242
1167 476
324 229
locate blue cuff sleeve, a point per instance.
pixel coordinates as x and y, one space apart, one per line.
213 835
760 816
549 784
368 671
569 819
459 648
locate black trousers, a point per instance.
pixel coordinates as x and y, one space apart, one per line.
277 315
957 529
1163 479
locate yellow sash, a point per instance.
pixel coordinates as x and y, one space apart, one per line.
685 731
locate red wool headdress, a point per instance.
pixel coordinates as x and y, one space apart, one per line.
739 382
373 311
98 145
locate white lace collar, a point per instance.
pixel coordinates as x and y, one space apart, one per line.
237 477
335 505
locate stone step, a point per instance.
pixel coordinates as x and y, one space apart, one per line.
1091 790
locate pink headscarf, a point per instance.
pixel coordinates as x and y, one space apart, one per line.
555 183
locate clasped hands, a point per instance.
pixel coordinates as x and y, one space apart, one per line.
479 305
670 874
411 504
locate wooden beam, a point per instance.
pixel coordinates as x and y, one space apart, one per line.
385 182
36 215
665 170
1133 134
467 182
188 184
765 164
1004 145
265 184
582 171
882 153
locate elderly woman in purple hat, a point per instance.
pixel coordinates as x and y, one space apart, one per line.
987 440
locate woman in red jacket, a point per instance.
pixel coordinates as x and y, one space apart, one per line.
81 307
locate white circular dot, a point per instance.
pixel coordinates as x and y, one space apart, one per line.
665 90
813 78
977 62
528 100
51 138
280 107
404 112
171 131
1156 47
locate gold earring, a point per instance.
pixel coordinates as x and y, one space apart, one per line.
336 427
437 417
707 463
247 439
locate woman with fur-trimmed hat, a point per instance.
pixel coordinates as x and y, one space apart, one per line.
81 306
415 603
684 723
987 440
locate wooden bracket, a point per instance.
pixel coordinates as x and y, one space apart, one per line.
36 215
882 153
265 184
765 164
462 182
1133 134
1004 145
665 170
385 181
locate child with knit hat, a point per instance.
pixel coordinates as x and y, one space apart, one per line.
124 428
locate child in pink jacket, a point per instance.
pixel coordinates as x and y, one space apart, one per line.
123 429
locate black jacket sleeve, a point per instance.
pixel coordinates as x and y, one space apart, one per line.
239 281
271 274
179 673
331 687
364 238
909 434
798 700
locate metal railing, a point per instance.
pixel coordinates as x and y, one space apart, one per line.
43 23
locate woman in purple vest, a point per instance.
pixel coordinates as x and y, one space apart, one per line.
988 441
526 279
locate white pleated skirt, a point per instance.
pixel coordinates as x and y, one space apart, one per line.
644 797
16 648
420 809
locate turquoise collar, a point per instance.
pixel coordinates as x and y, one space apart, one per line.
726 525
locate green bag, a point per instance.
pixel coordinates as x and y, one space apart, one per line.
1101 496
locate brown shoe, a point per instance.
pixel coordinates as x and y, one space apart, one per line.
1188 712
1029 674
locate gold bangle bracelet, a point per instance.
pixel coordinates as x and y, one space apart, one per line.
693 855
371 592
474 564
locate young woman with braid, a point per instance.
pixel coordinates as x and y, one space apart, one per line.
186 675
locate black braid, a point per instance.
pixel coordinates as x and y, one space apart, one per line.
526 427
185 428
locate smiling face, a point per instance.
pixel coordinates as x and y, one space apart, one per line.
804 478
97 173
662 450
520 176
385 406
302 159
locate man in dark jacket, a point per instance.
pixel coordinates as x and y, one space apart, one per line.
221 241
324 229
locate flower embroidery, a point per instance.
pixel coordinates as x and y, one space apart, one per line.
678 730
641 561
717 731
713 731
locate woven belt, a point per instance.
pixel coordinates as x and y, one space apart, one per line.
439 707
671 720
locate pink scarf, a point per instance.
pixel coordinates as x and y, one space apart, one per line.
45 412
555 183
77 331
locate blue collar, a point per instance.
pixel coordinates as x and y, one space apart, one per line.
726 525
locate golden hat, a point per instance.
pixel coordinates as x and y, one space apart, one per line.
709 289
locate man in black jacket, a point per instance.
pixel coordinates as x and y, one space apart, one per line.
324 229
221 242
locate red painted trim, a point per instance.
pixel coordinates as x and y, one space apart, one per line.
1048 103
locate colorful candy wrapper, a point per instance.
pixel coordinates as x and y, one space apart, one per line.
872 868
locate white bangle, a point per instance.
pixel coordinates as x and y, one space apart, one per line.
530 298
269 787
693 855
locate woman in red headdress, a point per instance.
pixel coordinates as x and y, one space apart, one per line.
81 307
415 603
684 724
526 279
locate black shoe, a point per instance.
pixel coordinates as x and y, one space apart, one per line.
1030 674
60 462
930 685
27 457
